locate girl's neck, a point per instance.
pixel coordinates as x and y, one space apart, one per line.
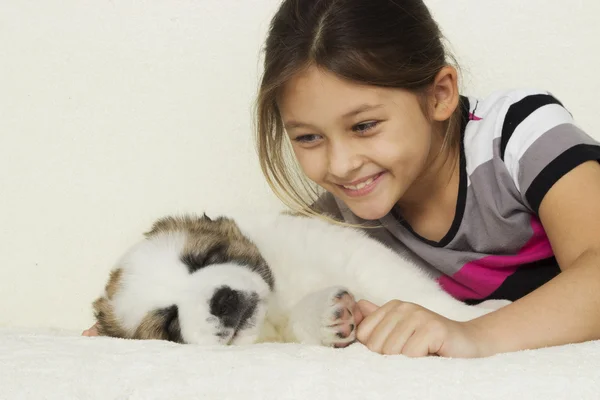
429 206
436 179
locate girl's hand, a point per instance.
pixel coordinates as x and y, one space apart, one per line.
406 328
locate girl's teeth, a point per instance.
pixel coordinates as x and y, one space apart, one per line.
360 185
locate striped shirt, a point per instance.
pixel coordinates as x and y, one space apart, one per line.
514 146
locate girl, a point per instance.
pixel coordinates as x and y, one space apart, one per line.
496 194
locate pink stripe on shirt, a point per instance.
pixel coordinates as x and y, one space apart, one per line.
480 278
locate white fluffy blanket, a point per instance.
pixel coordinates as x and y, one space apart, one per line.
62 365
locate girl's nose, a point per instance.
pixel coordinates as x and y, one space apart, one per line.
343 160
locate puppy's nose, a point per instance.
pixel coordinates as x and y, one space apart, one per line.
226 304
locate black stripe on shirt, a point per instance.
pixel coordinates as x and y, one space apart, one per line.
518 112
556 169
524 280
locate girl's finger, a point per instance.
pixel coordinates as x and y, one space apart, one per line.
397 339
381 333
365 328
423 343
366 307
363 309
358 315
417 345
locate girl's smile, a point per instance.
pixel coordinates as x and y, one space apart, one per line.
362 186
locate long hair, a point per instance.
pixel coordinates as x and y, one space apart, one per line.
385 43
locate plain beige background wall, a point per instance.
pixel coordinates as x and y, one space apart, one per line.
113 113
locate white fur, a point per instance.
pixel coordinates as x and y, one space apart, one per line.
311 261
308 255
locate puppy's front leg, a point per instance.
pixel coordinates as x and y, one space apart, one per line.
323 318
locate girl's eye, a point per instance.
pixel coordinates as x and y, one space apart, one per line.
307 138
364 127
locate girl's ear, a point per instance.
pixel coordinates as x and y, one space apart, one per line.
444 94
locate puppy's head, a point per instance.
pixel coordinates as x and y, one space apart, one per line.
192 280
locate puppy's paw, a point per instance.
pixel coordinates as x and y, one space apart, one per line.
325 318
338 328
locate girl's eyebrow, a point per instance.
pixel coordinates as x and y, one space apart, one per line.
352 113
361 109
296 124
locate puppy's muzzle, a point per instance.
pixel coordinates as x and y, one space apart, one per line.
233 308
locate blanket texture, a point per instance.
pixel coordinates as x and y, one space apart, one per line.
62 365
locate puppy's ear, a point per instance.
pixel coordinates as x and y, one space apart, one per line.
206 217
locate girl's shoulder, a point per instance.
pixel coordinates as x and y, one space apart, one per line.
503 113
527 135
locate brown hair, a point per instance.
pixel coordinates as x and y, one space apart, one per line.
386 43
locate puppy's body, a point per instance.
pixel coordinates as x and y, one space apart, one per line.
259 278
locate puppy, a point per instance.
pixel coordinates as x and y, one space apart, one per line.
270 278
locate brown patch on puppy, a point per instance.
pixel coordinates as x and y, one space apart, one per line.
213 241
114 282
162 324
107 323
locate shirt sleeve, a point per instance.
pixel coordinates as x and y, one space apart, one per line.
540 143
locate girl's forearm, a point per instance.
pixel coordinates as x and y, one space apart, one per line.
565 310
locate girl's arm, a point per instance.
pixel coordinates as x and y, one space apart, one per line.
566 309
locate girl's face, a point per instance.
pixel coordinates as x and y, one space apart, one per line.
366 145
